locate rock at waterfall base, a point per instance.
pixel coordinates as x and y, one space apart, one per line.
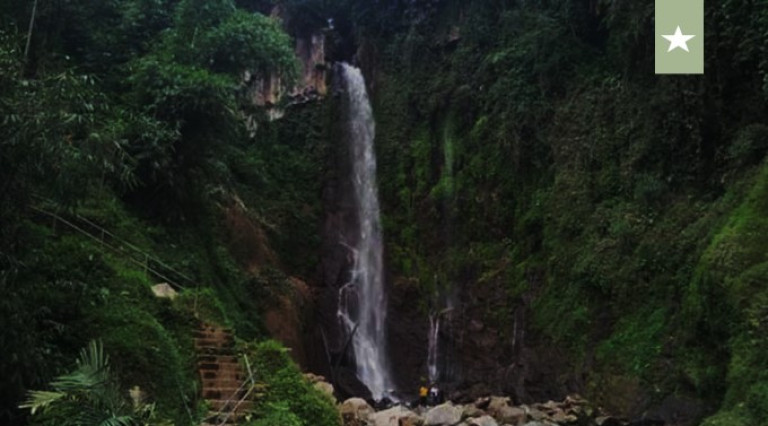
495 404
394 416
483 421
325 388
443 415
511 415
355 412
471 411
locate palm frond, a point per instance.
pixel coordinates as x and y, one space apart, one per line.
96 416
93 356
89 395
92 371
118 421
39 400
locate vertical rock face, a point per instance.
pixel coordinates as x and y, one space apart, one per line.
483 355
311 52
284 320
246 238
267 91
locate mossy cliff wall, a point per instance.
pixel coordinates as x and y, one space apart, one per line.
599 227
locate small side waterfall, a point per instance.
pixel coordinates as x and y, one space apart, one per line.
437 356
432 348
362 301
438 350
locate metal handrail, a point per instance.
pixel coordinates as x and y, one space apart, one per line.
234 394
120 250
135 248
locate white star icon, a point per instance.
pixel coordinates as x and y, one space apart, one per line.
678 40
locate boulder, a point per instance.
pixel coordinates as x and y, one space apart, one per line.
535 414
164 291
443 415
325 388
355 412
607 421
320 384
393 417
512 415
410 421
483 421
559 416
549 406
314 378
483 403
496 403
575 399
472 411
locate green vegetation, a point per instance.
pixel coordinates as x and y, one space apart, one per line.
125 119
88 396
530 144
289 398
524 145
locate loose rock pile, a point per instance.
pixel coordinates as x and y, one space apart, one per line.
490 411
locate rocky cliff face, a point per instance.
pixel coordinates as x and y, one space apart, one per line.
480 354
268 91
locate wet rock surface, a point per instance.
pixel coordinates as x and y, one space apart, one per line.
488 411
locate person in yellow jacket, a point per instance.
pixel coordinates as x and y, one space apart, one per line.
423 393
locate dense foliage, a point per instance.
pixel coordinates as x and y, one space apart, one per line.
122 140
290 400
531 145
523 143
89 395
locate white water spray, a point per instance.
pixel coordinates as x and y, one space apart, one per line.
434 332
362 301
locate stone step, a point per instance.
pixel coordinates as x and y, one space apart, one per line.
222 376
213 343
213 336
215 351
220 364
213 331
221 370
223 382
216 418
228 405
217 358
224 393
206 326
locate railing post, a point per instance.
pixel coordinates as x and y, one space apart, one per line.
197 294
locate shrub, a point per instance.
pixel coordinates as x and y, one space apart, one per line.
288 391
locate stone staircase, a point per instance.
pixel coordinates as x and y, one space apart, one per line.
221 376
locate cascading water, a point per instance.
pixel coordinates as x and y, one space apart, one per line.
436 361
362 301
434 332
443 299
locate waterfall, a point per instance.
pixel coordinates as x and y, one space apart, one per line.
362 301
434 332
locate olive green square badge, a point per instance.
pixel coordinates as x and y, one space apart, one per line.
679 36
